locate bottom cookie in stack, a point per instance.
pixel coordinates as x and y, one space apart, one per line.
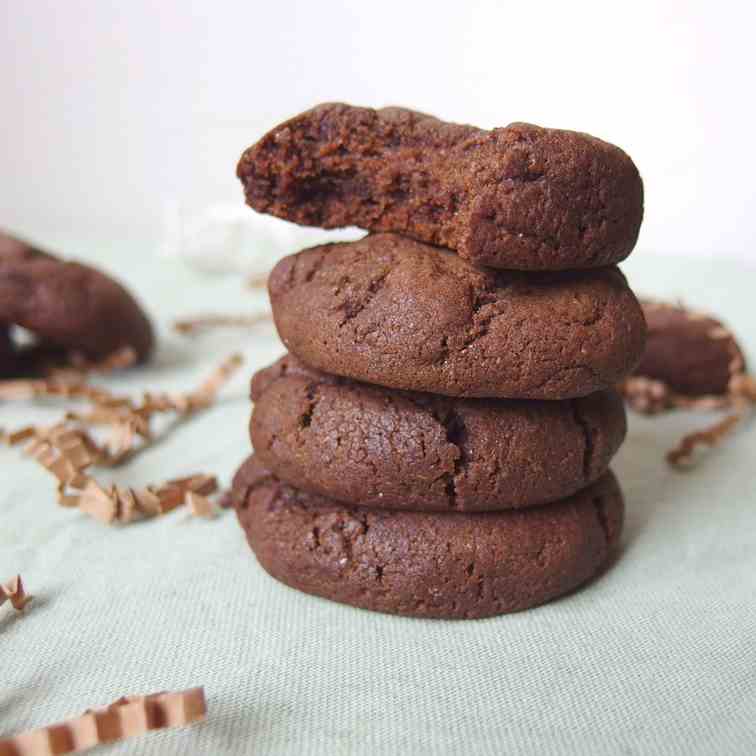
449 565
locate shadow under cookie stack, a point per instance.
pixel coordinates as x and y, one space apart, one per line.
437 441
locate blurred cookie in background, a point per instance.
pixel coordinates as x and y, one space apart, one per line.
71 313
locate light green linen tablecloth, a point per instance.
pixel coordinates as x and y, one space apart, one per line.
656 657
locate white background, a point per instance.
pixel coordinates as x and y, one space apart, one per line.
112 111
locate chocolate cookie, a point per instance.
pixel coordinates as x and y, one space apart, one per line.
520 197
450 565
692 353
67 306
398 313
9 364
400 450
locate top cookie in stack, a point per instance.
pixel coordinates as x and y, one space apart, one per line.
386 496
518 198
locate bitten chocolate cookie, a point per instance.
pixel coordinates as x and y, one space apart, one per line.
67 306
692 353
398 313
400 450
520 197
451 566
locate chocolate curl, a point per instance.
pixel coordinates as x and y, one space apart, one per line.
650 397
131 422
187 404
207 392
743 386
646 395
79 366
124 505
14 592
112 409
683 454
192 326
63 452
125 718
19 436
67 387
199 505
741 396
67 450
174 493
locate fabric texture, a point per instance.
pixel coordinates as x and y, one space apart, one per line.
657 656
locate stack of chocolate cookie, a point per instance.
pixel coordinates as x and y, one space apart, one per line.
437 441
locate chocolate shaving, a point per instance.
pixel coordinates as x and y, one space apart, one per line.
50 362
683 454
68 450
125 718
191 326
743 386
13 591
79 365
124 505
199 505
652 397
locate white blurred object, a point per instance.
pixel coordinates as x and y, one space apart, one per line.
229 238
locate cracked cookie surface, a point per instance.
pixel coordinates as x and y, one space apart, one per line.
521 197
394 312
67 306
402 450
436 565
